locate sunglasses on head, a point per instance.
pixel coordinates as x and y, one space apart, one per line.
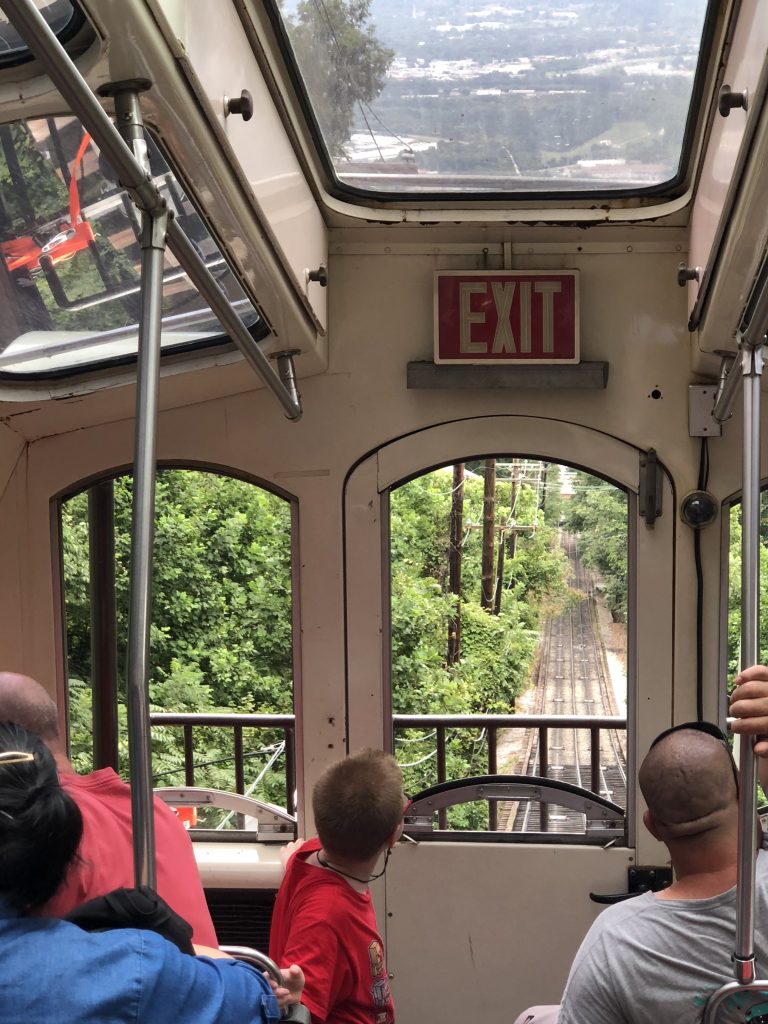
710 730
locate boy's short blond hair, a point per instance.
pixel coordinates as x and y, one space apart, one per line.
358 803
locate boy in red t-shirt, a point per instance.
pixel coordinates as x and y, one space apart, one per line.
324 918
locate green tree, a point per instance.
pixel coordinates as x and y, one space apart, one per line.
221 626
496 650
341 60
734 587
597 512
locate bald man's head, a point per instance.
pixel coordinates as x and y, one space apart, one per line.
25 702
688 783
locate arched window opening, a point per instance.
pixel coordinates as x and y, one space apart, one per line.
221 640
509 597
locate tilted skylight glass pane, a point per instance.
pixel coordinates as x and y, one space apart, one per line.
60 15
70 266
479 95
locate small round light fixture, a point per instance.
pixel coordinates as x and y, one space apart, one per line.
698 509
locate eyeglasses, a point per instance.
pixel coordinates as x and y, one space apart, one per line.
710 730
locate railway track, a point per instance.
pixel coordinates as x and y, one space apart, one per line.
573 680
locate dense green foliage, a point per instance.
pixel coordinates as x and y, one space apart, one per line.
734 588
597 512
221 629
496 650
221 634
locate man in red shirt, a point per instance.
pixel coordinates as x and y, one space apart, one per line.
105 856
324 918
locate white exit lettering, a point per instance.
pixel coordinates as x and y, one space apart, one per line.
503 294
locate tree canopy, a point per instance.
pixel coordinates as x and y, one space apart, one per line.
221 637
342 62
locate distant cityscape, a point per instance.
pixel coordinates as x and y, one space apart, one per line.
588 94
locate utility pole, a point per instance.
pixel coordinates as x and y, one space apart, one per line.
544 479
454 562
507 539
489 522
499 571
514 483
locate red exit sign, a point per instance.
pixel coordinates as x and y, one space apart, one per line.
507 316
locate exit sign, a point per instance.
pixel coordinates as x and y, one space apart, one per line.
507 316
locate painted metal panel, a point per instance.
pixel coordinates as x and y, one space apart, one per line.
260 144
468 944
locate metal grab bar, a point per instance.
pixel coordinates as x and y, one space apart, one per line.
256 959
297 1013
601 815
137 181
268 817
751 343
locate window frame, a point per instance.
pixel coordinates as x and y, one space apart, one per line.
68 35
386 520
213 343
60 617
638 197
653 656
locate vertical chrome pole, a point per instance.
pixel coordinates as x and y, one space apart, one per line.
153 233
752 368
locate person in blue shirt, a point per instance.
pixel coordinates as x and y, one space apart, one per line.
51 970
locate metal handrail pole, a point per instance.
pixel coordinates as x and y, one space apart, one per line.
727 389
222 719
730 989
142 540
137 181
185 252
752 366
153 234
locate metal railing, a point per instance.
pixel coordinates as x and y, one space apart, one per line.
441 725
236 723
541 724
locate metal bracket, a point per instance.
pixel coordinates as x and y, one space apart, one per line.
639 880
154 229
753 361
701 401
650 488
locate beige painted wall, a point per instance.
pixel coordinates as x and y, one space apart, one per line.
633 316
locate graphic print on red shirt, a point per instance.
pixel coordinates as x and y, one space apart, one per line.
326 926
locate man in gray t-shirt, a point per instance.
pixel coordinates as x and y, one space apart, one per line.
657 961
657 958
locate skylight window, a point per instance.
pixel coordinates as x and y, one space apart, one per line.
63 17
458 96
70 257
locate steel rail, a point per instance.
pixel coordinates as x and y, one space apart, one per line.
138 182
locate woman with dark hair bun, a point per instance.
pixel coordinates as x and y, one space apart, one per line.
40 826
51 970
